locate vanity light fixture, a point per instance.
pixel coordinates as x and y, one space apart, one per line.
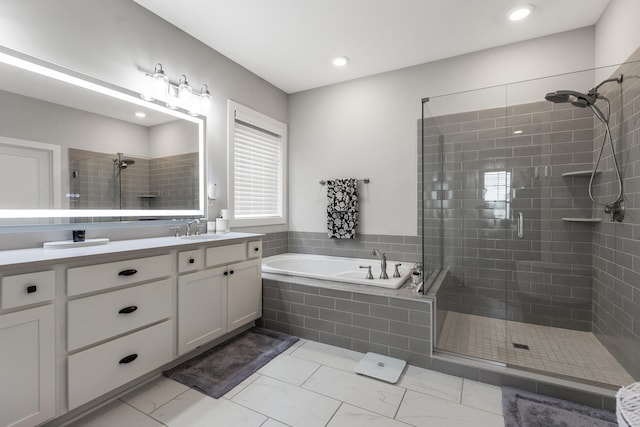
517 132
520 12
340 61
140 114
181 95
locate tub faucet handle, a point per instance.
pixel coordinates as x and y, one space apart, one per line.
396 273
369 275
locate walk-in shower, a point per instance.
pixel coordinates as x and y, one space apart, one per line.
536 275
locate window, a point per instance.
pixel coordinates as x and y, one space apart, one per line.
257 147
497 191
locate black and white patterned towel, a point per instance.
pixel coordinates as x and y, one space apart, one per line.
342 208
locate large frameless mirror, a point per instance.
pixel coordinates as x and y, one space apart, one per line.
75 149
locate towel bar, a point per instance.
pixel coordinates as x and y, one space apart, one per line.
365 180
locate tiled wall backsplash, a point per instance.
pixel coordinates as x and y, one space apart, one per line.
397 248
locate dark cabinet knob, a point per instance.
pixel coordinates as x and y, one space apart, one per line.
225 273
191 260
31 289
128 310
128 359
256 249
231 272
129 272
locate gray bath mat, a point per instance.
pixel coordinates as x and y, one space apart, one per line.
525 409
220 369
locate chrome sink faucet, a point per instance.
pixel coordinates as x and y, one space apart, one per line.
383 263
188 227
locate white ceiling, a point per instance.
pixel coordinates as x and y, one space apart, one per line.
290 43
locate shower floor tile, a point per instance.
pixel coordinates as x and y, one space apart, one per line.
560 351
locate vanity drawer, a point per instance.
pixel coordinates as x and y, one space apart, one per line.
81 280
190 261
254 249
226 254
100 369
29 288
100 317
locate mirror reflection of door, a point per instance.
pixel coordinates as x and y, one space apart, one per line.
27 175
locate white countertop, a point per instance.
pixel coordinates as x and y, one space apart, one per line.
16 258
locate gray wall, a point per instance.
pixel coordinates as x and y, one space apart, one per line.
616 251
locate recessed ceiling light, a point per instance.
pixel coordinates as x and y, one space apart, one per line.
141 114
517 132
340 61
520 12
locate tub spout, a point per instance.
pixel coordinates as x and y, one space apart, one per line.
383 263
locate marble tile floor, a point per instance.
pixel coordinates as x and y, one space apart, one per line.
562 351
311 384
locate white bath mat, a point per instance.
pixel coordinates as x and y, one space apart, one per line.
381 367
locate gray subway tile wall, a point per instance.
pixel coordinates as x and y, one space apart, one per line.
358 321
160 183
397 248
540 278
616 246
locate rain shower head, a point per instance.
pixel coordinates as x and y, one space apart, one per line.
577 99
124 163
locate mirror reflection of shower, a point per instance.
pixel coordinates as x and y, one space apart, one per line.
121 163
615 208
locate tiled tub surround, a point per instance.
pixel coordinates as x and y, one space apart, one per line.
391 322
545 277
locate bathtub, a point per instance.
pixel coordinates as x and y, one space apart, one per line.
336 269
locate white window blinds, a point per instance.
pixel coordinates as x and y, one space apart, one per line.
258 167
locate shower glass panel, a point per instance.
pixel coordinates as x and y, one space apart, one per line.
538 277
473 188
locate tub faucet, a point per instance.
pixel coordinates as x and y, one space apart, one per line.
383 263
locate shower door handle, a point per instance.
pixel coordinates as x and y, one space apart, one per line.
520 225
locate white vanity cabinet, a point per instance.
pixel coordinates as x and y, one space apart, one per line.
220 299
27 349
79 327
244 293
202 308
122 332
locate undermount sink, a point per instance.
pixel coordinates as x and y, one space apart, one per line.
202 237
